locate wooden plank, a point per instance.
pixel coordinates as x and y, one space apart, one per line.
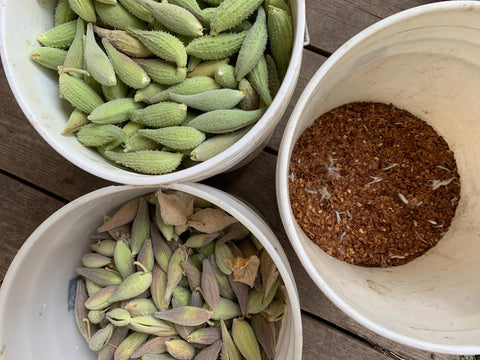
255 183
323 342
332 23
311 62
26 155
22 210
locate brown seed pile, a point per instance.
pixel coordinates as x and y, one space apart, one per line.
373 185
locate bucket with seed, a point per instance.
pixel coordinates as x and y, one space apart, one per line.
426 61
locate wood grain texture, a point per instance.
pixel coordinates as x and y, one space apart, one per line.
332 23
22 210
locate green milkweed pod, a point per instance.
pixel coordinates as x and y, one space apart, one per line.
280 32
63 13
224 121
160 115
78 93
253 46
175 137
244 337
162 72
75 54
126 69
135 8
174 17
60 36
231 13
49 57
189 86
117 17
210 100
114 111
225 76
84 8
216 47
100 134
96 61
258 77
162 44
147 162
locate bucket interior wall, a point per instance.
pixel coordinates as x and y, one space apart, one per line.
430 67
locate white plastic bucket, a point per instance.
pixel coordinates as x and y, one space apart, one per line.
427 61
36 91
37 320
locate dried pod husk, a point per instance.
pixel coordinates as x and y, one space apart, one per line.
123 259
161 251
235 250
124 215
173 209
244 337
175 271
101 338
268 271
180 349
244 269
107 353
79 309
185 315
247 247
121 233
210 290
211 352
241 292
158 288
226 290
266 334
227 309
182 330
205 336
100 300
145 256
148 324
104 247
236 231
100 277
94 260
140 227
275 311
229 349
132 286
192 273
153 346
140 307
210 220
129 345
118 317
257 302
